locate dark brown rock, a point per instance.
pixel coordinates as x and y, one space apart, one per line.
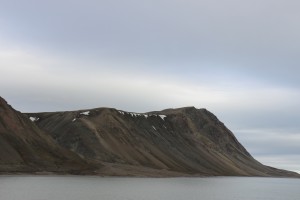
25 148
173 142
187 141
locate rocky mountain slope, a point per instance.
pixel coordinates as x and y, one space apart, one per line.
104 141
26 148
184 141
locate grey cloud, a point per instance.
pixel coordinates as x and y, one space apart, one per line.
252 116
212 54
270 142
277 148
249 33
258 39
288 162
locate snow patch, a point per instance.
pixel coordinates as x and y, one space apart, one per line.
121 112
163 117
135 114
85 113
74 120
154 128
34 119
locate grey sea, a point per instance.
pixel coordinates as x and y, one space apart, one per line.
99 188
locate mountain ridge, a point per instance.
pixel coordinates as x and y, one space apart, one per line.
185 140
110 142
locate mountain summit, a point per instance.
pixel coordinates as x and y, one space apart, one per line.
105 141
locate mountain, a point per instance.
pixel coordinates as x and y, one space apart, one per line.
173 142
105 141
24 148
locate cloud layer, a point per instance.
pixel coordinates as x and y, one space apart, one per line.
239 59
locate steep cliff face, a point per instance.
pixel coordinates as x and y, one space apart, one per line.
26 148
185 140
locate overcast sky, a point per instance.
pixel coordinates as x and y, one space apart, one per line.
238 59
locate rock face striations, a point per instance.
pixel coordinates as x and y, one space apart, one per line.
173 142
187 140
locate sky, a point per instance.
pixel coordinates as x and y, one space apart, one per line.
238 59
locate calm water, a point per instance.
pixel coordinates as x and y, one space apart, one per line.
98 188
